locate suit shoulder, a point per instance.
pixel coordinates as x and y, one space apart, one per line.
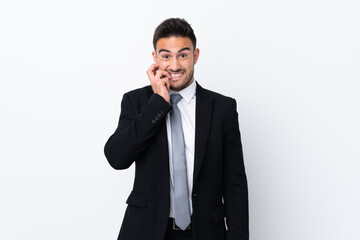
137 97
219 97
143 91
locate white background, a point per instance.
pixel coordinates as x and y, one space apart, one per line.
293 67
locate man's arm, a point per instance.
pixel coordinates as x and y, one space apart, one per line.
235 183
134 132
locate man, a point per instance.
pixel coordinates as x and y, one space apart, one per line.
190 180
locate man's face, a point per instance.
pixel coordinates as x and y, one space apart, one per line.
177 56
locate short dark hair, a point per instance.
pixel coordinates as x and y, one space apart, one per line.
176 27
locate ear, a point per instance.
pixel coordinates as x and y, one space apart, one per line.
196 55
154 57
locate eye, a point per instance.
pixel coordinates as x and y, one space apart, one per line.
183 55
165 56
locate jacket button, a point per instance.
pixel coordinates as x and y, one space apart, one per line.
194 195
159 115
153 121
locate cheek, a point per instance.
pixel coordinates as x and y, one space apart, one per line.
163 65
189 63
189 66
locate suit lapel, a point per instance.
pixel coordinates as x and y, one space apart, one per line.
202 127
164 148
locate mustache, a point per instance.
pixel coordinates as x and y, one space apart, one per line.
177 71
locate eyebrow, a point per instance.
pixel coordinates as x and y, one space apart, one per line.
183 49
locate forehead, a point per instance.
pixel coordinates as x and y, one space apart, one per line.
173 44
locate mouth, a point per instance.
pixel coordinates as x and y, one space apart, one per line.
176 76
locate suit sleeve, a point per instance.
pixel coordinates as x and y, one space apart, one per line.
134 132
235 182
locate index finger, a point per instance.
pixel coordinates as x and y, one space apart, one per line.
153 68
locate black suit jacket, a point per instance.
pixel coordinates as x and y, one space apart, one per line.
219 197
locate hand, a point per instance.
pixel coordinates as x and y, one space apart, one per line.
160 81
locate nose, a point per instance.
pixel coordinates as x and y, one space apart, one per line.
174 65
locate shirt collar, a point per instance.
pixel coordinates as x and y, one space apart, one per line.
187 93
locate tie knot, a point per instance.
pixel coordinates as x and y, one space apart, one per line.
175 98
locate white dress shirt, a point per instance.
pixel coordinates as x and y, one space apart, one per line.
187 110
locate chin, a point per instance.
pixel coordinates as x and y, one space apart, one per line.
179 85
176 86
